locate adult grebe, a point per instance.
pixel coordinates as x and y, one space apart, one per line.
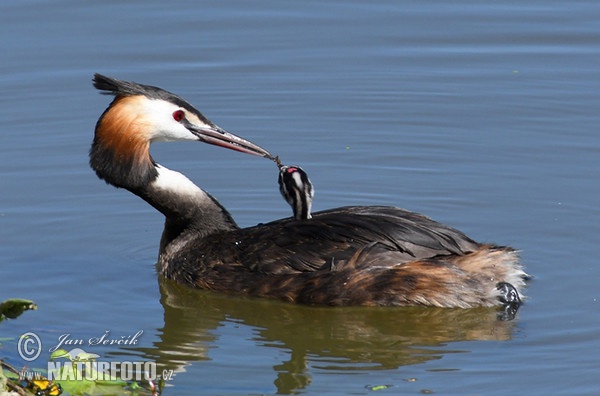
361 255
296 189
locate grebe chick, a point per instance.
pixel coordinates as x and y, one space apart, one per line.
379 255
296 189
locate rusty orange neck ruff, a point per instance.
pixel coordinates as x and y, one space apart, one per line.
120 153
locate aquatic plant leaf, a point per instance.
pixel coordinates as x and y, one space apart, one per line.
60 353
14 307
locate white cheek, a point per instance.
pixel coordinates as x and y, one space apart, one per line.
159 116
170 132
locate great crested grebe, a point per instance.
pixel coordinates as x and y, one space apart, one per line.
360 255
296 189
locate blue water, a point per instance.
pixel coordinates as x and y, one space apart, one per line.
482 115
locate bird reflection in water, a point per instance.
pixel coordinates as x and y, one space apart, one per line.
340 339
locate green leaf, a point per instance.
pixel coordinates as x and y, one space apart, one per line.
14 307
60 353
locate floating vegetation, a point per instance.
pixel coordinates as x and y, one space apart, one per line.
14 307
378 387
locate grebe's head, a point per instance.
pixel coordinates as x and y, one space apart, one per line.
142 114
296 189
147 113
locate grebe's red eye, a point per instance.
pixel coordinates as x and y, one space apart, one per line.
178 115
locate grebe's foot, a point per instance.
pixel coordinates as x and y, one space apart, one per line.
508 293
509 297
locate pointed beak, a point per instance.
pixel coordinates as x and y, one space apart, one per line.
220 137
